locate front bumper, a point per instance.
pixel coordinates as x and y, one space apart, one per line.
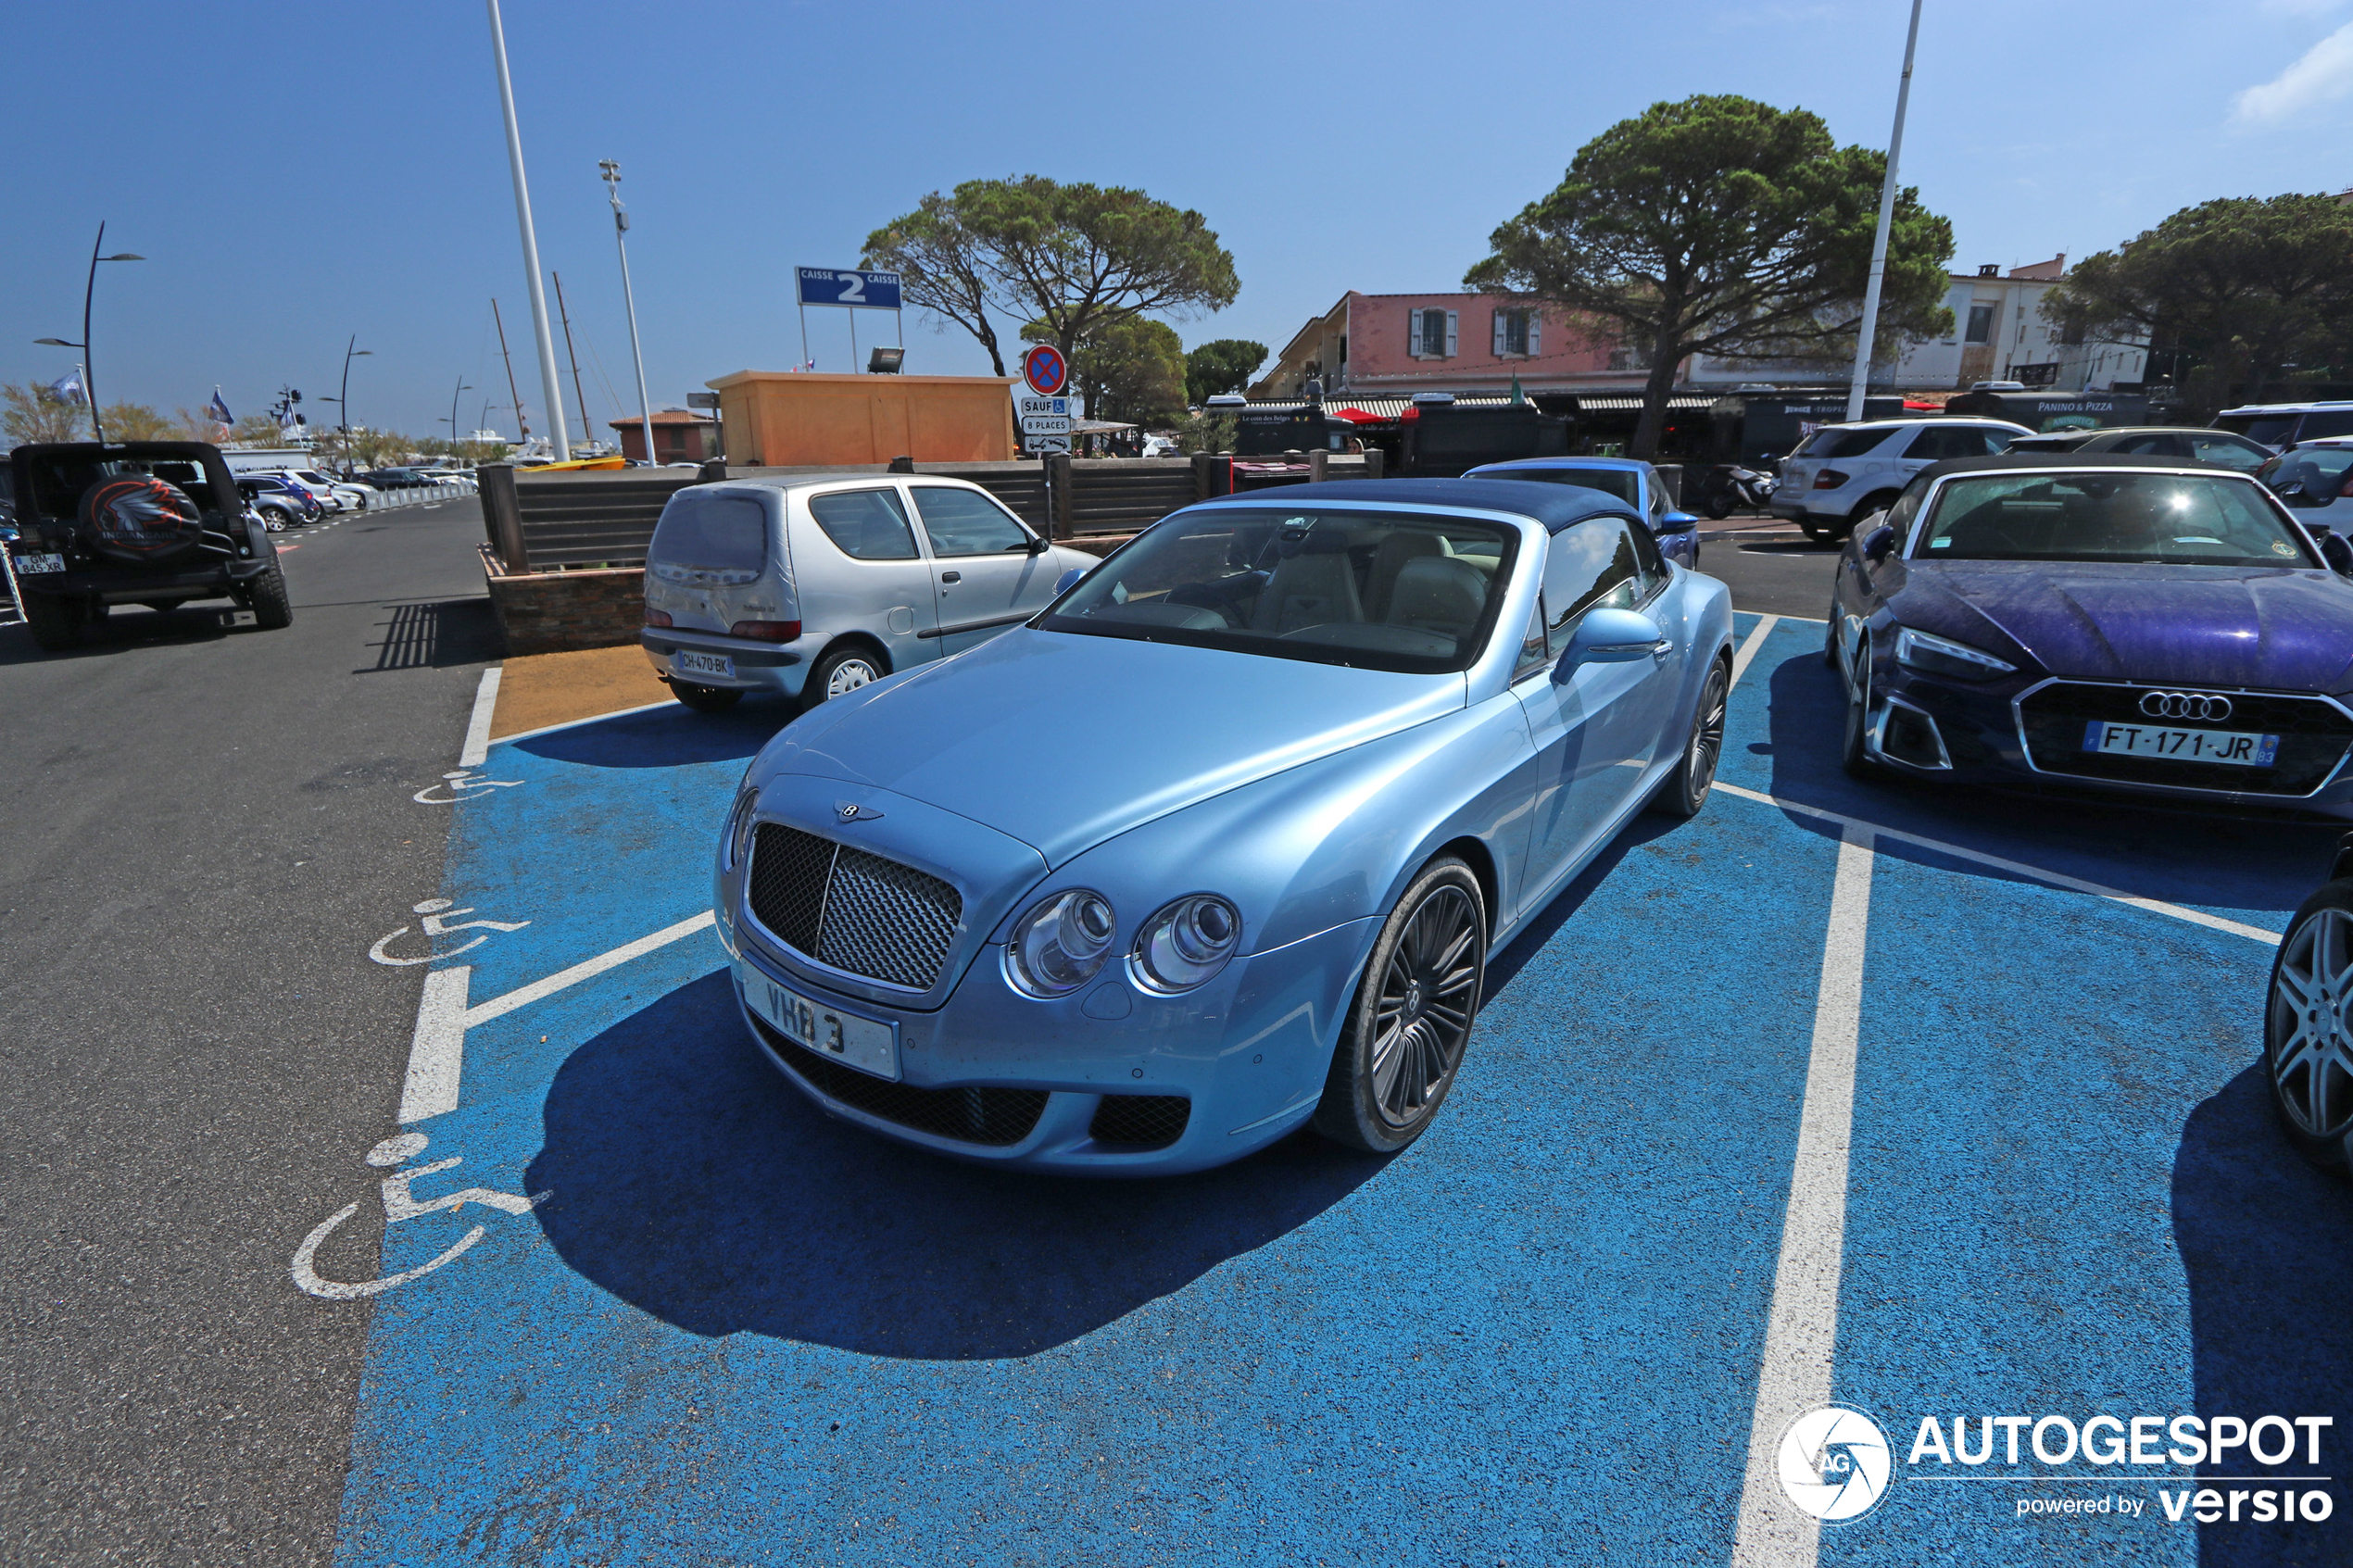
1952 731
759 667
1247 1053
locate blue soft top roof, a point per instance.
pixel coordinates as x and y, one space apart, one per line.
1554 506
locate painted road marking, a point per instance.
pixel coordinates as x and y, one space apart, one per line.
2017 867
1749 645
437 923
438 1049
1801 1331
473 786
477 747
400 1204
576 723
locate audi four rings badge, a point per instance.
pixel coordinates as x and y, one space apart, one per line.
2201 706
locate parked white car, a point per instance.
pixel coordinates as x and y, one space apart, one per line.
1844 473
2282 425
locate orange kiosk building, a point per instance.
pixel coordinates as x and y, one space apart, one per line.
787 419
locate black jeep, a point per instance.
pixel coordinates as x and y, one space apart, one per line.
146 523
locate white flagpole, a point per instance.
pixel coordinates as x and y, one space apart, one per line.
1863 344
550 386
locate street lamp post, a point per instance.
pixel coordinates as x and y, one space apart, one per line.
629 299
453 414
342 405
89 375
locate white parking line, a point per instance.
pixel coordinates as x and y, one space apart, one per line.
2015 868
477 748
1802 1332
1749 645
539 990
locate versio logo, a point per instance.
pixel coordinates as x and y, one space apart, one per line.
1834 1463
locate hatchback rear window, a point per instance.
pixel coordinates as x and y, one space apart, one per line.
1843 443
709 537
2272 430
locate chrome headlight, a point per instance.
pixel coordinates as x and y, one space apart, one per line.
738 830
1061 943
1187 943
1942 655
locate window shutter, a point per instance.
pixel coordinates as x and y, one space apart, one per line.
1414 334
1499 332
1453 333
1535 332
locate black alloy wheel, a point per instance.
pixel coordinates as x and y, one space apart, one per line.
1411 1021
1686 788
2307 1042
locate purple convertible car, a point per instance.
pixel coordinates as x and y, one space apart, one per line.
2115 626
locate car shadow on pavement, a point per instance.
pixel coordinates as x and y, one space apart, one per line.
2204 860
2267 1244
691 1181
1646 827
671 737
124 627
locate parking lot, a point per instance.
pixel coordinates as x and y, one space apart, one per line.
727 1330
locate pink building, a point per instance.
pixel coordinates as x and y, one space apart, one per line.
1390 344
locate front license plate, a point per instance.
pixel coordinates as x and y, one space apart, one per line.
2239 747
859 1042
29 564
717 664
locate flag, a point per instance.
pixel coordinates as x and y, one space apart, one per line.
67 387
219 411
1518 397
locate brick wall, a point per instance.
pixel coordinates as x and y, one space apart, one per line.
558 612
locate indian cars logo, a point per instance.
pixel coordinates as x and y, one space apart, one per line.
2204 707
1834 1463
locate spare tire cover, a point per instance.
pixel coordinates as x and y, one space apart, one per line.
139 518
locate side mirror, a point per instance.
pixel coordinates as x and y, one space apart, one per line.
1612 636
1677 523
1878 543
2336 552
1037 546
1067 581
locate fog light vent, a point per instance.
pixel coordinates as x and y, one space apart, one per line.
1141 1121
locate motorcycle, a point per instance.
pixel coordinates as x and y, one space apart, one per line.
1728 486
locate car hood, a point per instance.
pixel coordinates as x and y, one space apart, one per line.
1062 741
2190 625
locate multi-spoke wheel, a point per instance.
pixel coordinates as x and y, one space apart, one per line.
841 671
2306 1039
1412 1017
1686 788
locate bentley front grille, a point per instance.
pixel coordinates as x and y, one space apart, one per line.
856 911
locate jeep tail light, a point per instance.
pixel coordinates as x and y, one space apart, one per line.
767 631
1829 479
657 617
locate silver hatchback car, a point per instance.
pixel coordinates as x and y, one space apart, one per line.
813 587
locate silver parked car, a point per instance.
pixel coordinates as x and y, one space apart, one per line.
813 587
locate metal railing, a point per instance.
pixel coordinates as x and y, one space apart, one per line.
388 500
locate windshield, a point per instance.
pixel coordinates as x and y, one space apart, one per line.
58 481
1844 442
1617 484
2175 518
1395 591
709 538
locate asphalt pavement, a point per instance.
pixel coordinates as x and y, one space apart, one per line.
1771 568
208 825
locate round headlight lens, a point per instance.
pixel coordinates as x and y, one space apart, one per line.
1061 943
1188 942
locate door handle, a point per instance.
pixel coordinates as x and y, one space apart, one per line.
952 577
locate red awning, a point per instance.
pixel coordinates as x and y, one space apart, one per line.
1923 407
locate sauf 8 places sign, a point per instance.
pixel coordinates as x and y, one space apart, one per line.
2090 1471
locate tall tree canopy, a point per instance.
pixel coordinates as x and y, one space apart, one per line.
1075 258
1720 225
2240 288
1223 364
1130 370
32 413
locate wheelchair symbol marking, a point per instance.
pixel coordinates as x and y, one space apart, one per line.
437 921
401 1204
463 785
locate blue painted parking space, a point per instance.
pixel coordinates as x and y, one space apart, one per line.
732 1331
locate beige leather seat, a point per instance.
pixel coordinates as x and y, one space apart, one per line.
1309 589
1439 594
1388 558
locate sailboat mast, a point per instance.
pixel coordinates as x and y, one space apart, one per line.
578 390
521 418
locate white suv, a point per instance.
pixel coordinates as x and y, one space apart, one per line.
1846 472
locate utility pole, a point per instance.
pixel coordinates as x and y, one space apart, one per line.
550 384
523 420
620 238
1863 344
565 317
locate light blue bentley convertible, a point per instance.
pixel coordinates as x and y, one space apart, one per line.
1222 840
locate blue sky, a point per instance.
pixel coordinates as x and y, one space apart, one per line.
299 173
